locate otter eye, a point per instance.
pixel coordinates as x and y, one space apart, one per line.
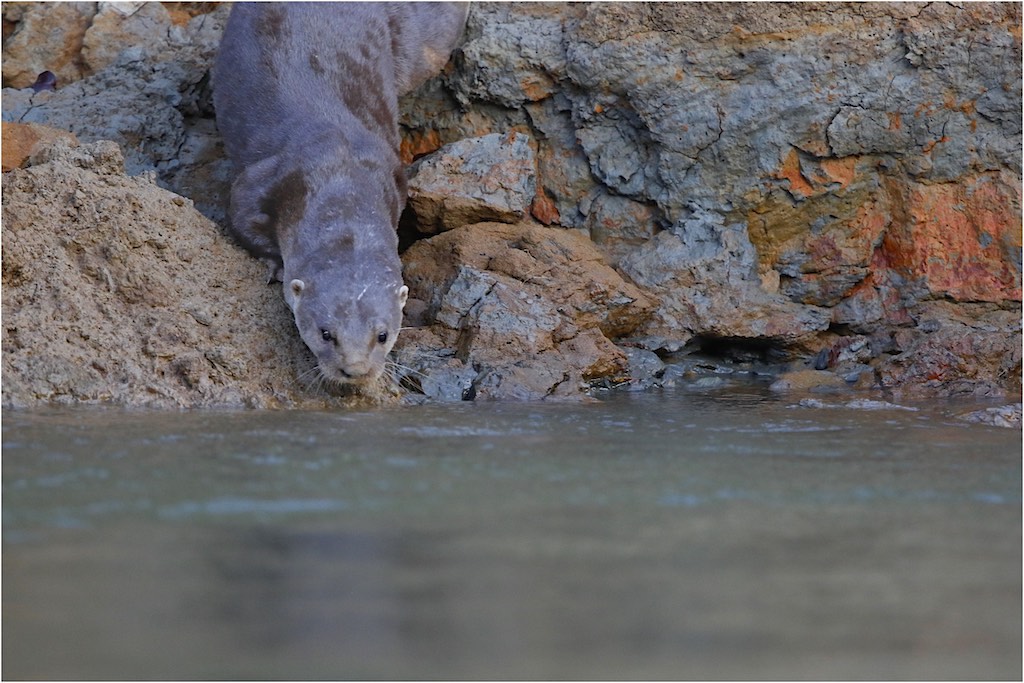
382 337
326 335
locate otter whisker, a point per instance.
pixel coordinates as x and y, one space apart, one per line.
402 376
394 366
309 377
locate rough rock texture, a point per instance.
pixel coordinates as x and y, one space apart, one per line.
473 180
834 185
515 312
703 275
956 353
22 140
147 88
801 177
46 39
115 290
1003 416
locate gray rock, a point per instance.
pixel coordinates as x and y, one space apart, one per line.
473 180
619 225
529 309
452 381
1002 416
676 107
705 279
563 168
513 56
151 96
760 174
643 364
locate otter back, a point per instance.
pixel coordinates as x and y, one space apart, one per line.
289 75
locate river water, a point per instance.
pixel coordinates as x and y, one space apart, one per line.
662 535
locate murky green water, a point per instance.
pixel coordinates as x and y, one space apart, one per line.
652 536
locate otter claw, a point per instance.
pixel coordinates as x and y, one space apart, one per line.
275 273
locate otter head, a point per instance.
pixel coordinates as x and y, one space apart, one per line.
350 327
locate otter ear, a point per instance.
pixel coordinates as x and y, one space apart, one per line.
292 290
403 295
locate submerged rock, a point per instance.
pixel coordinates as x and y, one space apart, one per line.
645 368
807 380
1002 416
856 404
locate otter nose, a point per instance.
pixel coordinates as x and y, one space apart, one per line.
354 370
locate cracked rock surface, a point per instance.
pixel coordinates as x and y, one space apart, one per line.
838 184
516 312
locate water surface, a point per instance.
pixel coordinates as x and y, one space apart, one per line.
647 536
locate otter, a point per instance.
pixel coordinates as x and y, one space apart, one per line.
306 99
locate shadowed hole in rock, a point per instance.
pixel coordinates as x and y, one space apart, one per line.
408 232
742 350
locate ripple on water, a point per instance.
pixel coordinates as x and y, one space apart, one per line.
227 507
783 427
432 431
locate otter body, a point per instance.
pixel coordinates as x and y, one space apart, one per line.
306 96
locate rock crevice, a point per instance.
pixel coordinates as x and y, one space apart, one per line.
810 179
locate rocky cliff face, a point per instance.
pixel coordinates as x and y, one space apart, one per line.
830 185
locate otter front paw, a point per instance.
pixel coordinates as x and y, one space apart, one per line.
275 271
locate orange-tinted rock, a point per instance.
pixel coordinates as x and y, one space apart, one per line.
840 171
561 263
418 143
808 177
823 243
861 193
543 209
21 140
117 27
618 225
790 171
807 380
183 12
962 240
537 86
48 37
